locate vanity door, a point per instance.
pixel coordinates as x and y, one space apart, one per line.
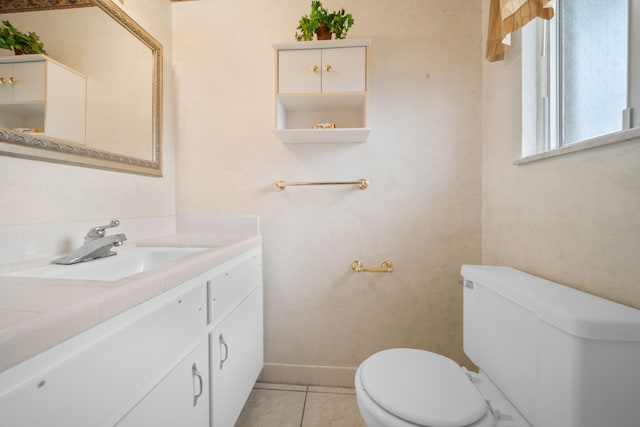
236 359
181 399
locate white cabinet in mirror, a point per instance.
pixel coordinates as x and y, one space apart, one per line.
42 96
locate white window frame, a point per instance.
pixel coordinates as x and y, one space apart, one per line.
540 124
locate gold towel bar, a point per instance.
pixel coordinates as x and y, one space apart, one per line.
363 183
385 267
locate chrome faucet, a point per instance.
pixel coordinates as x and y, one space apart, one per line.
96 245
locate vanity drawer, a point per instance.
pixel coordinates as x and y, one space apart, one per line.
232 284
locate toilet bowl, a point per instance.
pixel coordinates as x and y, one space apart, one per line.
405 387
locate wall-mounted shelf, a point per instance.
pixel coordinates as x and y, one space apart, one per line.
322 136
322 82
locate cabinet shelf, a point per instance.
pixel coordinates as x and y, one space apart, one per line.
322 44
323 102
298 113
310 136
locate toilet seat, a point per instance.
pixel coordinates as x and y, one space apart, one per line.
421 387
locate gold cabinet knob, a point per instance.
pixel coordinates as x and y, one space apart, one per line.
3 81
314 68
13 81
327 68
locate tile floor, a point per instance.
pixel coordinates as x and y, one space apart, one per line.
281 405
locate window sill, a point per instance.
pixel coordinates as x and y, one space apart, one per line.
598 141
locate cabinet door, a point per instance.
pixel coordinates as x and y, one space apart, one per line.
228 288
31 82
236 359
344 69
299 71
181 399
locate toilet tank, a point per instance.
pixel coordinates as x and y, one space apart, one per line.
563 357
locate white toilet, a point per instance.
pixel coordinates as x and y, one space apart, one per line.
549 356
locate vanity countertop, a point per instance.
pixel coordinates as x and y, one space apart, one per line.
37 313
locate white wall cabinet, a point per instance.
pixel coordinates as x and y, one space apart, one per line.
322 82
151 365
22 82
38 92
322 70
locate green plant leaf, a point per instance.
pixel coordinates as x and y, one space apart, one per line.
338 22
13 39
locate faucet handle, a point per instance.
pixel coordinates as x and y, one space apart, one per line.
99 231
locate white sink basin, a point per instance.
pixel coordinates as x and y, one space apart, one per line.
127 263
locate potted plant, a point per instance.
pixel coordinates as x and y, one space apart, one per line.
323 24
13 39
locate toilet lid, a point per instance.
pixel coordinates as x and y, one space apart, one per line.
422 387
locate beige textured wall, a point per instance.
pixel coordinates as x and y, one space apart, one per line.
423 158
573 219
38 192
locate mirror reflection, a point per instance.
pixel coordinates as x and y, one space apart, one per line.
101 99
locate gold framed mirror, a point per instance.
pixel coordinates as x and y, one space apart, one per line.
123 97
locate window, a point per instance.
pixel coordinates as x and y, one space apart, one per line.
581 76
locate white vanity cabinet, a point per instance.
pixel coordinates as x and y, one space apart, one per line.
160 363
38 92
322 82
236 337
95 378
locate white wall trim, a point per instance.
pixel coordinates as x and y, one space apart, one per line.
326 376
599 141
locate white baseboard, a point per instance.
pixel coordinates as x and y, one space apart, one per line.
326 376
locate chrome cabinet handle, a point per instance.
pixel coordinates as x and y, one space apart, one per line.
226 350
196 374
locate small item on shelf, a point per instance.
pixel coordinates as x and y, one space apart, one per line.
323 126
29 130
